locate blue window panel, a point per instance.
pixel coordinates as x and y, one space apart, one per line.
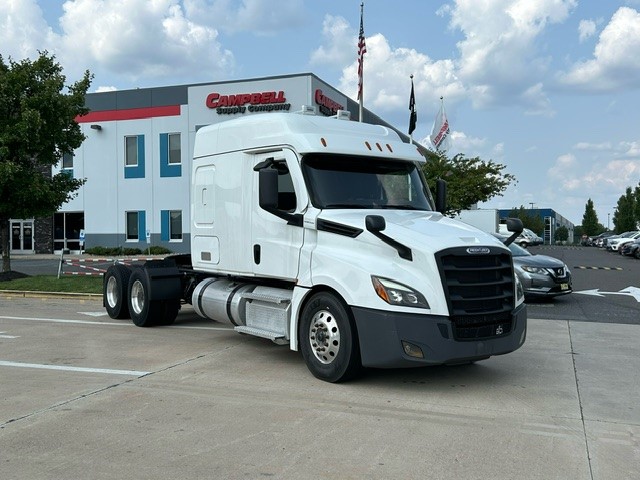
137 171
142 226
167 170
164 225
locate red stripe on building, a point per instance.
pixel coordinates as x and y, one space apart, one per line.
130 114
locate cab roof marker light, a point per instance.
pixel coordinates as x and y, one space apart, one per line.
389 148
379 147
343 115
307 110
368 145
323 141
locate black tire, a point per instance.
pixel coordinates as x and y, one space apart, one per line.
144 312
328 339
115 291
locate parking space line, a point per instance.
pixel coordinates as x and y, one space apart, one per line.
67 368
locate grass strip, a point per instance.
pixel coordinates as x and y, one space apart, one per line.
50 283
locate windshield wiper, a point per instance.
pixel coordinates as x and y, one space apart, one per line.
402 207
346 205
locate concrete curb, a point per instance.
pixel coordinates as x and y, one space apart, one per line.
30 294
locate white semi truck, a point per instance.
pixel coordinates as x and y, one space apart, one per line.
321 233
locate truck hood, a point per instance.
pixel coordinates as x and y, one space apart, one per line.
421 230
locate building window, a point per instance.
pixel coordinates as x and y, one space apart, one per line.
171 225
132 226
134 156
175 152
67 164
170 155
136 226
131 151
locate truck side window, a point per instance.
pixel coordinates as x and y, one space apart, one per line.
286 194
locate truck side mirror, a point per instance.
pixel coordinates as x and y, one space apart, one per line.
268 189
441 195
514 225
375 223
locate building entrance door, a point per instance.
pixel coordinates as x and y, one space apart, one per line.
21 236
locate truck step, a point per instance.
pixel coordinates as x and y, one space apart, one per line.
257 332
263 297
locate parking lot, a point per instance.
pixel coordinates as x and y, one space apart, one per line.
85 396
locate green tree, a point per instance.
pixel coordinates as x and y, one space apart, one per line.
561 234
37 126
469 180
532 222
590 224
624 218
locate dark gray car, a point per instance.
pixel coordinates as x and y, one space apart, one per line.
541 276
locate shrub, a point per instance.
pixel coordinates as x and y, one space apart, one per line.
158 250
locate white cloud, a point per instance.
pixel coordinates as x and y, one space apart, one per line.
586 29
138 39
23 30
261 17
336 33
592 146
499 60
387 73
573 175
615 63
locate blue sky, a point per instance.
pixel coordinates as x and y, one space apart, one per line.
549 88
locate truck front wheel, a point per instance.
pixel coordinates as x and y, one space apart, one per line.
328 339
115 288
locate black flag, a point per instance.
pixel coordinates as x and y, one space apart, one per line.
413 118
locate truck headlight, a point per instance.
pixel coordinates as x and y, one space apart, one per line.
395 293
519 291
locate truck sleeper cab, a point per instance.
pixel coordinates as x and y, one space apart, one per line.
321 233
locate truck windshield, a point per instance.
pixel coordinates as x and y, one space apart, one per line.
342 181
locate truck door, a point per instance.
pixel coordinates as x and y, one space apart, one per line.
277 243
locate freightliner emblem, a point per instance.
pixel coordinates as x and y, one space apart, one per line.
478 250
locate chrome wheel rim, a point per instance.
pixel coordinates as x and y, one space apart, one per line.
113 294
137 297
324 337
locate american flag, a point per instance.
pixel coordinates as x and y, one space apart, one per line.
362 49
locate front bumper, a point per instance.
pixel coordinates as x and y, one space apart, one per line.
541 286
381 334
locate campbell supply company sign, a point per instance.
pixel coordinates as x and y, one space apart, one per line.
247 102
326 105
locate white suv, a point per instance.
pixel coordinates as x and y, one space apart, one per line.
614 244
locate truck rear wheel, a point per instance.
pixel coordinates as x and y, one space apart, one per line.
145 312
115 291
328 339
